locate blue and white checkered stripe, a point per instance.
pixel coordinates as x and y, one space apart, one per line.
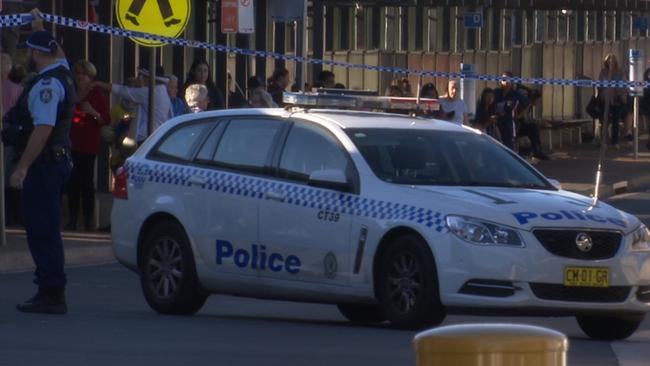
297 195
21 19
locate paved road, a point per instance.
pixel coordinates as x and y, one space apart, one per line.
637 203
110 324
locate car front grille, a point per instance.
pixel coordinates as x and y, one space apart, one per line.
563 243
547 291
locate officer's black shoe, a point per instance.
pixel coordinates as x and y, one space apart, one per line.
132 19
45 303
172 21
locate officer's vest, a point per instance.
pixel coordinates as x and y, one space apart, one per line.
19 123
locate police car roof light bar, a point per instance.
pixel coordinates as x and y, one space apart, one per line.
319 100
361 102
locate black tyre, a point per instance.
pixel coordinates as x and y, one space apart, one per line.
362 313
168 274
407 284
609 328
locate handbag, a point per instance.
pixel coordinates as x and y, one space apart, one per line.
595 108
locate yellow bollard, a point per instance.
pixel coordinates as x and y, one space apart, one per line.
490 345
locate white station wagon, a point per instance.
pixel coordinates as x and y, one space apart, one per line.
391 218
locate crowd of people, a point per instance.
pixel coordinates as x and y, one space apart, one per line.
124 125
503 113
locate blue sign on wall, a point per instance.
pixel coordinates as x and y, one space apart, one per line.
473 20
640 23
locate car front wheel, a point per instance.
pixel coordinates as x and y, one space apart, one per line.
168 274
408 284
610 327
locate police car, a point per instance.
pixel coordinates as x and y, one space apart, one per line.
390 217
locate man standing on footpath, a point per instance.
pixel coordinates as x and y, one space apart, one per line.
38 128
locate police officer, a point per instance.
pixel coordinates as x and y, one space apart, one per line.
38 128
510 105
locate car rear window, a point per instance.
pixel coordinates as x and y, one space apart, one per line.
178 145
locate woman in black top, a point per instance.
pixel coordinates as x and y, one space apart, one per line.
200 74
486 114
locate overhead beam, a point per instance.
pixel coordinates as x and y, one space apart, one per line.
626 5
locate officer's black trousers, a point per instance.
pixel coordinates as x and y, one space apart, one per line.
531 130
42 191
81 188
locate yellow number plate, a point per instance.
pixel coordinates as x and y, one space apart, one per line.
586 277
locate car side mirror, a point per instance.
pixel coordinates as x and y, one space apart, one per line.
330 179
556 183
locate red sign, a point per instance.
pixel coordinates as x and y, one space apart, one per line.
229 14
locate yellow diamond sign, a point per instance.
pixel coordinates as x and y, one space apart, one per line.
162 17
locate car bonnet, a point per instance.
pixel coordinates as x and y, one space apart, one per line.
528 208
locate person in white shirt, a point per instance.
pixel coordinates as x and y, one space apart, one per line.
140 96
454 109
196 97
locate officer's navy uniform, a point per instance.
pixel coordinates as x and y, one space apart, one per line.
47 100
506 105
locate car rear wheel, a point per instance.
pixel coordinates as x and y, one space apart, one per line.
407 284
362 313
610 327
168 274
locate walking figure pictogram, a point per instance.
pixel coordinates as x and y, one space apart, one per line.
164 7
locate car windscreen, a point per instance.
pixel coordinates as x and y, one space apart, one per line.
442 158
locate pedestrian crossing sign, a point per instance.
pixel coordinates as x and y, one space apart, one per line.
162 17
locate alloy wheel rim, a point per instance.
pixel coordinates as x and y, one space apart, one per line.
165 267
404 282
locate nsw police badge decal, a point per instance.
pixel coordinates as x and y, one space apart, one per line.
330 265
46 95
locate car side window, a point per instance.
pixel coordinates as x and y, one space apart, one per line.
178 145
247 144
310 149
209 147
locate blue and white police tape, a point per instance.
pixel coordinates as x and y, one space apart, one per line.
14 20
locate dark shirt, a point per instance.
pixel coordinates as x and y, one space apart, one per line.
482 119
236 100
216 99
507 104
276 92
483 115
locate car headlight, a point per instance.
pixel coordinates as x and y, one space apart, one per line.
483 233
641 239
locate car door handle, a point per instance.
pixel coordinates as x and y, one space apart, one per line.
198 180
274 195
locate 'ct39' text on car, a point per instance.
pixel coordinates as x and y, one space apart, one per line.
389 217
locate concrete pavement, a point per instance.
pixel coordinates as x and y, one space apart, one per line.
575 167
80 249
